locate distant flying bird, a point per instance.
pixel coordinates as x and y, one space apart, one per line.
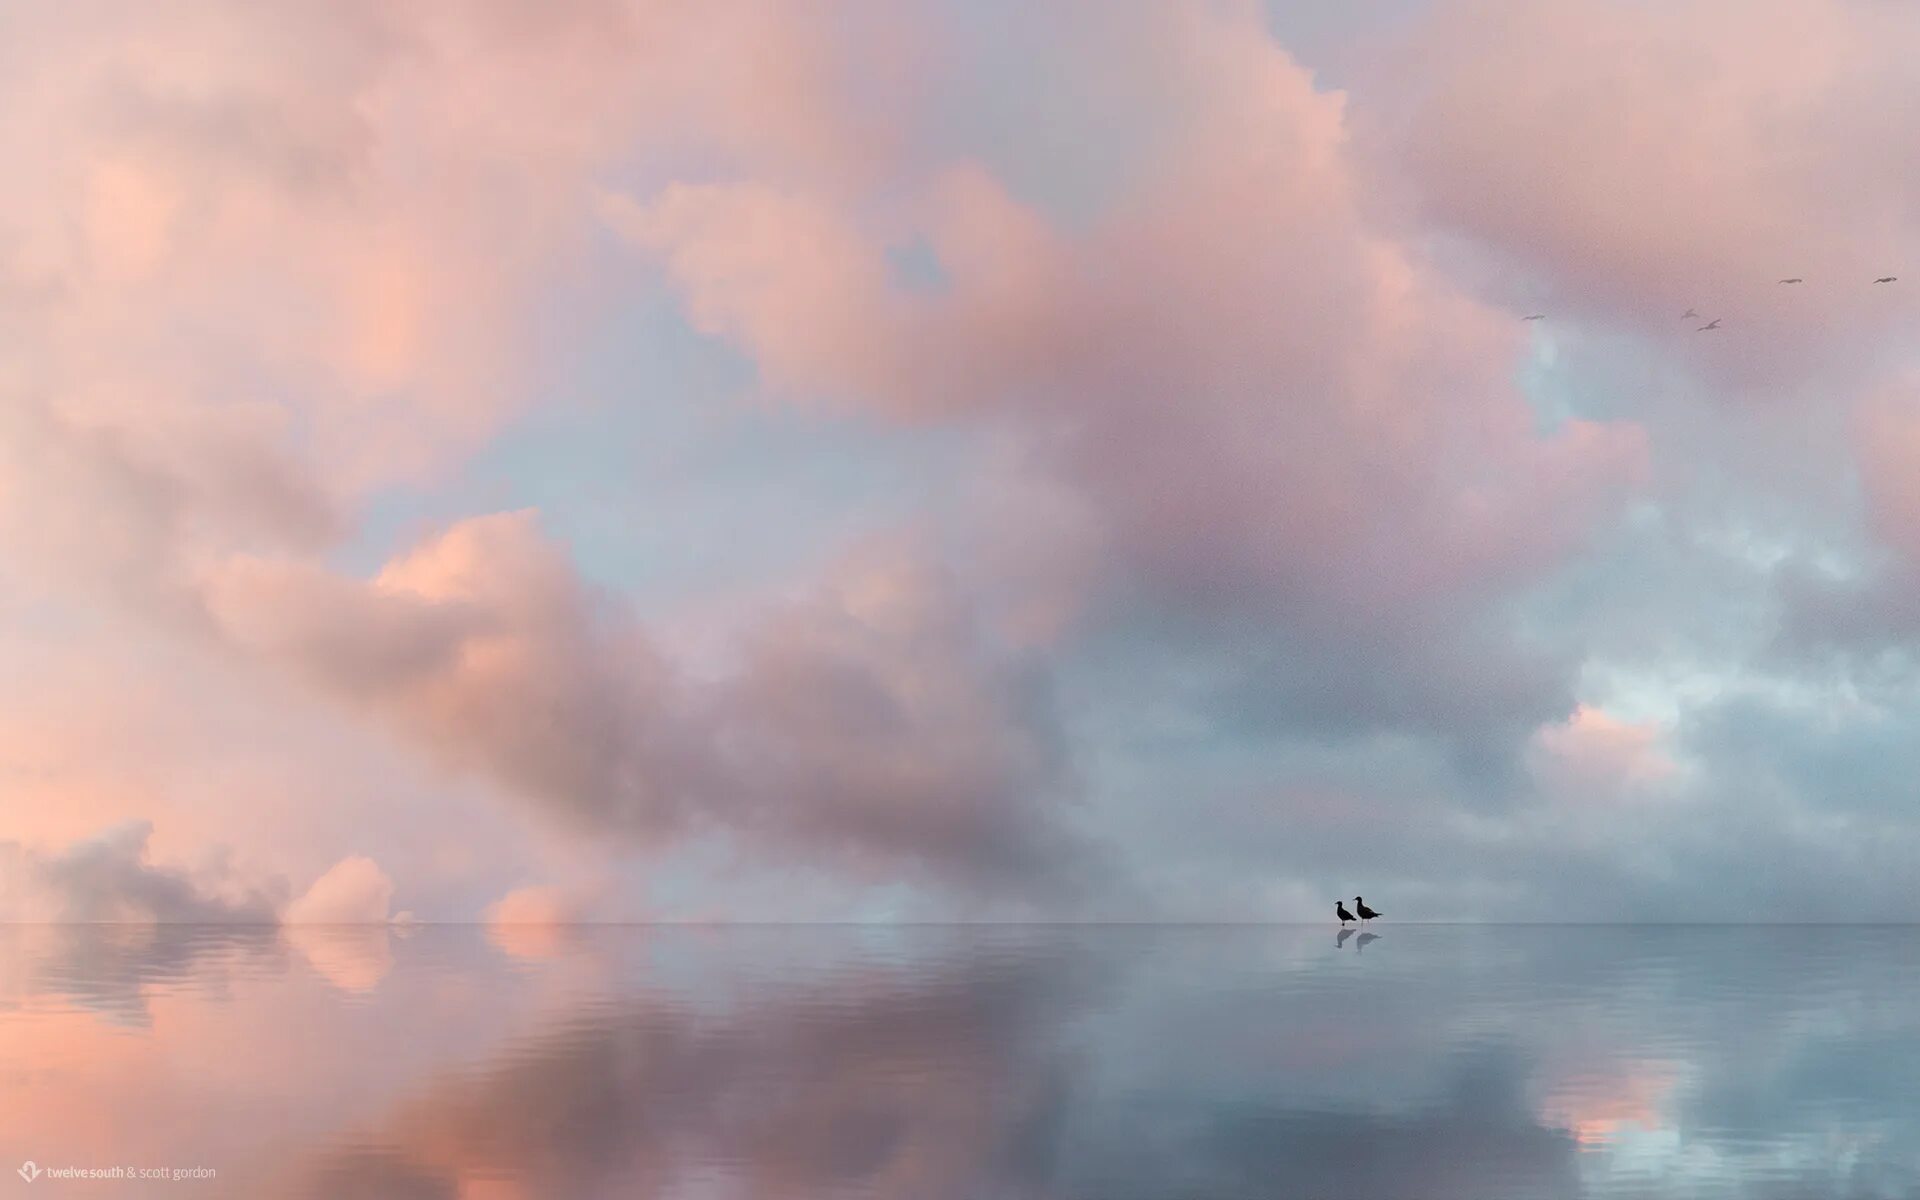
1887 279
1535 317
1795 279
1366 914
1340 910
1713 324
1688 313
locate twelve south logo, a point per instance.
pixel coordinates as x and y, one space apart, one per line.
29 1171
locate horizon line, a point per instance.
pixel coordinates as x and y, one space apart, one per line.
889 924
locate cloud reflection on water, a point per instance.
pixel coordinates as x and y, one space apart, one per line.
1112 1063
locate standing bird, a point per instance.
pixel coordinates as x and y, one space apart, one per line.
1366 914
1795 279
1340 910
1713 324
1888 279
1535 317
1688 315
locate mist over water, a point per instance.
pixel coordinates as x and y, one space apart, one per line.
1102 1062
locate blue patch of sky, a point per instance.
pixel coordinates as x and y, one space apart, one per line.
1548 390
653 455
915 267
1047 104
1334 40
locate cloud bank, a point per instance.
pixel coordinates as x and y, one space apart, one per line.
1238 538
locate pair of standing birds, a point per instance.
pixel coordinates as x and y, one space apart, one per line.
1340 910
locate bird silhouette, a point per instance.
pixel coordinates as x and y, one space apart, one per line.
1340 910
1535 317
1888 279
1340 939
1713 324
1360 906
1688 313
1795 279
1364 939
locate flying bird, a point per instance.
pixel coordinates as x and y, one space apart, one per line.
1366 914
1535 317
1795 279
1340 910
1688 313
1887 279
1713 324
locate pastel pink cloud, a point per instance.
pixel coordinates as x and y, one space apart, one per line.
871 722
354 891
1886 428
273 262
533 905
1635 160
1597 758
270 261
1264 394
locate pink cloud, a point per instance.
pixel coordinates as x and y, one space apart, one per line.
1267 398
354 891
1595 757
533 905
870 721
278 261
269 262
1887 432
793 274
1635 160
533 921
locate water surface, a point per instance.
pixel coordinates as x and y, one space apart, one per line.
1112 1063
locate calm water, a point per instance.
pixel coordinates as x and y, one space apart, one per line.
1431 1062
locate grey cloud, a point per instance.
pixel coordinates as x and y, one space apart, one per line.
109 878
873 721
1479 694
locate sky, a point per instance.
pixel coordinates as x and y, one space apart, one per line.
959 461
